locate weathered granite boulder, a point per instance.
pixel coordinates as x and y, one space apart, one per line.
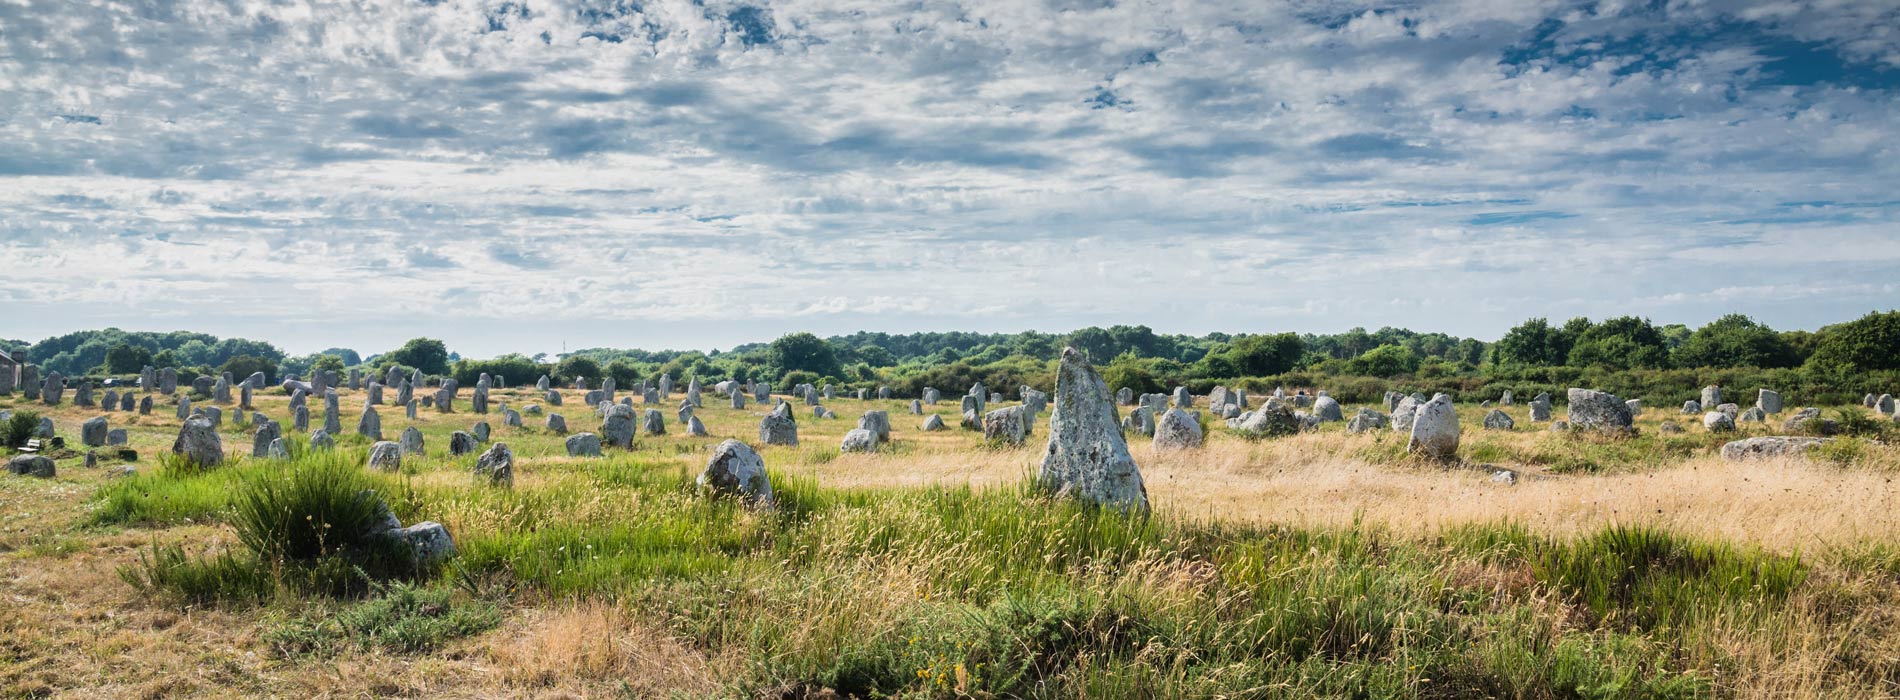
1327 410
1599 411
92 433
1770 447
1273 419
267 432
695 428
556 423
116 436
1808 421
481 431
858 440
1086 457
1718 422
1435 430
583 445
1769 401
1177 430
320 440
461 443
1403 414
385 456
1497 419
497 464
1366 420
933 423
411 441
736 470
1540 410
653 422
878 422
1754 414
1006 426
370 424
1691 407
32 465
778 429
198 442
617 427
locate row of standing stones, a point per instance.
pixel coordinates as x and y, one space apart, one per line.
1087 454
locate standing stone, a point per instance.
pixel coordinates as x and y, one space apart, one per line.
375 393
878 422
1691 407
1125 396
553 398
184 407
405 392
498 464
1086 456
478 402
1435 430
695 428
444 400
385 456
46 428
356 378
1497 419
83 395
1275 418
461 443
1403 415
168 381
556 423
778 428
1754 414
370 425
684 412
583 445
933 423
1718 422
145 405
267 432
511 418
221 391
858 440
736 470
125 401
332 414
244 397
1507 399
541 384
1006 426
1711 395
1768 401
110 401
53 390
1884 404
654 422
762 392
409 409
1601 411
617 426
932 396
148 379
1177 430
480 430
1327 410
916 407
738 400
411 441
38 466
198 442
1366 420
92 433
214 413
666 385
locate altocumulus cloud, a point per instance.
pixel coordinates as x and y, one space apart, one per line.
719 171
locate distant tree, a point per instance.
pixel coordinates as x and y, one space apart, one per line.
1385 361
578 366
1626 342
349 357
326 363
1261 355
1132 372
1735 341
127 359
245 365
1871 342
164 358
426 354
803 351
876 356
1534 343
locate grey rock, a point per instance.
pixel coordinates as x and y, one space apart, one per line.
385 456
1718 422
92 433
198 442
1365 421
858 440
695 428
498 464
1327 410
778 429
1273 419
933 423
428 540
1006 425
878 422
1769 401
320 440
480 430
1599 411
1177 430
1497 419
1711 395
1087 458
654 423
583 445
1404 413
617 427
461 443
370 424
116 436
1770 447
556 423
1435 430
411 441
267 432
33 465
1691 407
1183 399
736 470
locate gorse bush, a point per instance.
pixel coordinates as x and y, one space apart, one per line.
19 428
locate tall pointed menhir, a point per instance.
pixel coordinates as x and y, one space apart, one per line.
1087 458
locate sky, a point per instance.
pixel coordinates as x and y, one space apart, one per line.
540 175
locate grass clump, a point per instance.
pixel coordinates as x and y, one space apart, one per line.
313 525
403 618
19 428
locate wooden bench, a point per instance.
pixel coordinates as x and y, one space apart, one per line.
32 445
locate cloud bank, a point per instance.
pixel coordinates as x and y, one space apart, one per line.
513 175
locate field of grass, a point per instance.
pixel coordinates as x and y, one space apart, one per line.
1317 565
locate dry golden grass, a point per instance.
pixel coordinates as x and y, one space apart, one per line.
593 648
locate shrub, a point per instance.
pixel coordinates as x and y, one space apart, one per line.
19 428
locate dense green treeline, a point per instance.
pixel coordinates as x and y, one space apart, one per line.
1628 355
